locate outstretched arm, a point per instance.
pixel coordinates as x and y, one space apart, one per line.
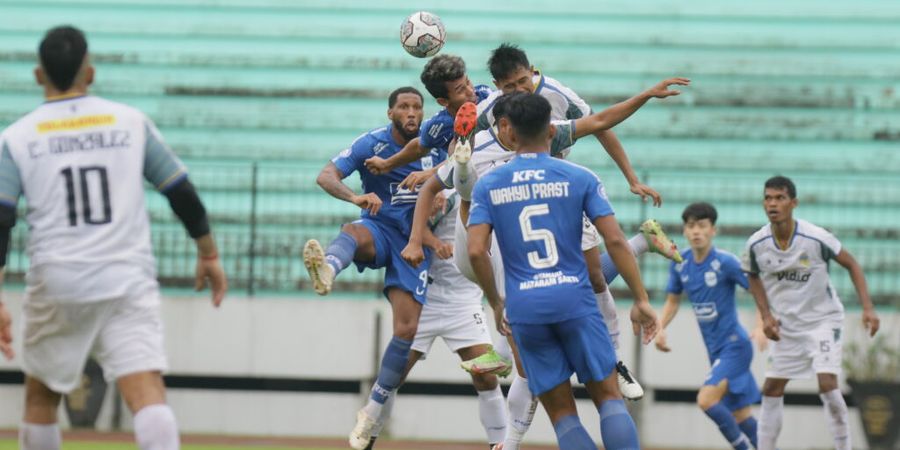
409 153
869 318
330 179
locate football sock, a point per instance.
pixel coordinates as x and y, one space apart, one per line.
720 414
610 317
769 422
638 246
838 418
39 437
392 364
617 427
340 251
384 414
571 435
748 426
522 406
464 179
492 411
155 428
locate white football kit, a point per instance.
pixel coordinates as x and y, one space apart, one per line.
801 298
453 309
91 286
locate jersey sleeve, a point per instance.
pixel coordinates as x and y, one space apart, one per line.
564 137
444 175
352 159
162 167
436 132
10 180
735 274
596 203
480 211
748 258
831 246
674 285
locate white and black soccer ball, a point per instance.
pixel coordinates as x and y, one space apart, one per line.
422 34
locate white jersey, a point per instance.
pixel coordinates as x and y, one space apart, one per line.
449 288
80 163
796 280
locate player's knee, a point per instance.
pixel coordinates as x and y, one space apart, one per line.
406 328
705 401
356 231
484 381
41 403
772 388
827 382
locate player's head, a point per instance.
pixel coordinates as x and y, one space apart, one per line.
64 63
445 78
529 117
510 68
502 127
405 110
779 199
699 224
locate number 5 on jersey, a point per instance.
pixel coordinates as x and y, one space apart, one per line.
538 234
91 179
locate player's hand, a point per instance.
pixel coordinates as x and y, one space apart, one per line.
646 191
413 254
209 271
369 201
416 179
377 165
501 321
758 336
771 328
870 321
438 206
661 343
661 90
644 321
6 333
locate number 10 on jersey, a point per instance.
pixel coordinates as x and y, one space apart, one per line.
91 179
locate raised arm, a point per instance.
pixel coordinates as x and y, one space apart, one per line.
869 318
410 152
615 114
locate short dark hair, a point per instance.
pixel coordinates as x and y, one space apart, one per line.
782 182
62 53
529 115
500 106
700 211
505 59
440 70
392 99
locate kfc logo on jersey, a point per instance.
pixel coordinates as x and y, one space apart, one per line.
528 175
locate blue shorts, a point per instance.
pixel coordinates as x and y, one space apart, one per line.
732 363
389 242
552 352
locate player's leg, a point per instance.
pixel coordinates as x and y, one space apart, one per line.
388 408
491 404
522 404
747 423
40 430
354 243
617 428
709 399
560 406
651 238
155 427
464 176
827 356
771 413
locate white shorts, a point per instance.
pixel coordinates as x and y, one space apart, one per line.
124 335
460 328
805 354
590 238
461 258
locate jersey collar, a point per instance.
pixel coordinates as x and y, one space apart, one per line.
540 84
64 97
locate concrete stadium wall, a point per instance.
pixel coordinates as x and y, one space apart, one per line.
337 341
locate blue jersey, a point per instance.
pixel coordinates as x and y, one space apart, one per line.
398 204
710 287
437 131
535 202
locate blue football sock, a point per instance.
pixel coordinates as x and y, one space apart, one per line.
617 427
392 364
748 426
610 272
728 426
340 251
571 435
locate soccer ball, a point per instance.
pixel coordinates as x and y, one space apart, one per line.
422 34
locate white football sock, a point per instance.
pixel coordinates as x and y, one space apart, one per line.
155 428
838 418
522 406
39 437
492 410
385 414
607 305
638 244
769 422
464 178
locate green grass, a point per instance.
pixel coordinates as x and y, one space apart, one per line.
13 445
